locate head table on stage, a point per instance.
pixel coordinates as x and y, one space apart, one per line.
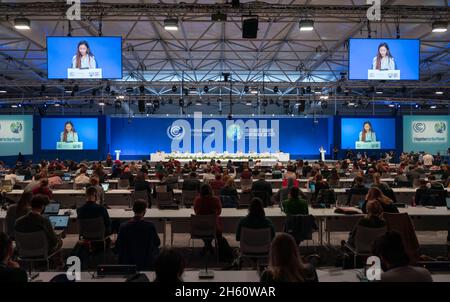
265 157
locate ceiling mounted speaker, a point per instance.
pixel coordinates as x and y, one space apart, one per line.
141 105
250 27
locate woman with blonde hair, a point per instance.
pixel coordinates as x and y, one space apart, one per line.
285 263
377 195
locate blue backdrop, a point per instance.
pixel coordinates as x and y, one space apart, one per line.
142 136
406 54
86 128
384 129
107 52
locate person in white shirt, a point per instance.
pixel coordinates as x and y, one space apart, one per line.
428 160
384 59
395 262
12 177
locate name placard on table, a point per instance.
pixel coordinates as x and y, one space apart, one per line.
374 74
69 146
367 145
75 73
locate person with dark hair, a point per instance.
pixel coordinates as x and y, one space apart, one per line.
261 185
256 219
91 209
384 59
69 135
138 242
207 204
373 219
367 134
169 266
358 188
10 270
395 261
141 184
43 189
295 205
285 263
34 222
385 202
84 58
191 183
15 211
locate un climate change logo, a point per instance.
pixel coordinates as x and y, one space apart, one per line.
439 127
419 127
175 131
16 127
234 132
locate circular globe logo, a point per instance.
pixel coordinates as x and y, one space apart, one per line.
234 132
16 127
419 127
439 127
175 131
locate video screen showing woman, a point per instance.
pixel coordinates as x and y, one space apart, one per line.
84 58
384 59
367 134
69 135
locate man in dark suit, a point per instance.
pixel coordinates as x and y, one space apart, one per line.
262 186
137 242
191 183
10 271
91 209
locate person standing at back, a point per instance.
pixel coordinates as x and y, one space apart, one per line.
138 242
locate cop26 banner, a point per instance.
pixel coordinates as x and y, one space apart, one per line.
197 133
426 133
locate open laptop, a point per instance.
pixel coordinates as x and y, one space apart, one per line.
7 185
20 178
105 187
447 199
59 222
51 209
89 172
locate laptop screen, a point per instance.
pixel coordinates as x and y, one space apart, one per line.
20 177
448 202
52 208
89 172
59 221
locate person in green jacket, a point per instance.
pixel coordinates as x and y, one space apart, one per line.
256 219
295 205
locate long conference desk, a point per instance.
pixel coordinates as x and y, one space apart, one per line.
424 219
324 274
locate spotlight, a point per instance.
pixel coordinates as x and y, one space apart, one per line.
219 17
264 103
285 104
142 89
226 76
246 89
439 26
141 105
439 92
324 104
275 89
117 104
22 23
339 89
174 88
171 24
230 116
3 91
181 103
206 89
306 25
433 106
308 90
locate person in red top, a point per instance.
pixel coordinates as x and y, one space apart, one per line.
207 204
218 183
43 189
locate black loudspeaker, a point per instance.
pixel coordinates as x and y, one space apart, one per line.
141 105
301 106
250 28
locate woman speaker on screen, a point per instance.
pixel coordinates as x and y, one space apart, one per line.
69 135
84 58
384 59
367 134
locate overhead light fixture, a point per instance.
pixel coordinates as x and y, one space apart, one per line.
101 104
22 23
248 103
324 97
379 92
14 106
439 26
171 24
306 25
120 97
198 103
439 92
219 17
68 91
254 91
391 105
57 105
433 106
2 91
